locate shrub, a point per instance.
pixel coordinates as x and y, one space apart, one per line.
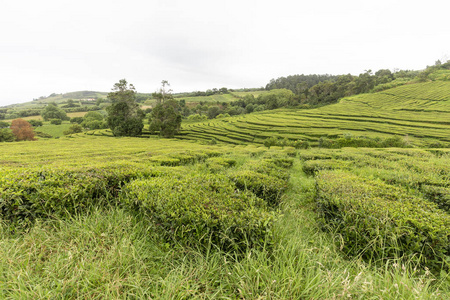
264 186
56 121
77 120
219 163
35 123
439 195
197 210
32 193
75 128
6 135
377 220
299 144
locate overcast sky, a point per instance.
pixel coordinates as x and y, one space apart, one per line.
59 46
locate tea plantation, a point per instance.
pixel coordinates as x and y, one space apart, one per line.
214 214
418 111
95 217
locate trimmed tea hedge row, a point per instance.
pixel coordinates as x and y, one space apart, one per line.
31 193
184 158
196 210
267 178
380 220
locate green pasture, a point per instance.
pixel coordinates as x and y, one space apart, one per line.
211 99
254 93
55 131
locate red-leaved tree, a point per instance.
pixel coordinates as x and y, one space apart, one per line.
22 130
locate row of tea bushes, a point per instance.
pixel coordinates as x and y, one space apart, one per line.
381 220
221 202
196 210
266 178
385 202
27 194
195 197
184 157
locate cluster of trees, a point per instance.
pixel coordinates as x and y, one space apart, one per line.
248 104
52 111
208 92
3 112
90 121
325 89
14 114
125 118
18 130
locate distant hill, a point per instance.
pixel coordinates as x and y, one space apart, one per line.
419 111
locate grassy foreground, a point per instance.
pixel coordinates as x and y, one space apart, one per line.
114 252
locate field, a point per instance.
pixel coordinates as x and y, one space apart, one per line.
95 217
214 214
420 112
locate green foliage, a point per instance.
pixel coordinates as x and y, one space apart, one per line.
165 118
124 254
438 194
197 117
267 179
4 124
183 158
94 115
93 120
276 98
217 164
75 128
125 118
362 141
35 123
275 141
77 120
27 195
385 202
51 111
264 186
6 135
200 210
55 121
419 111
271 141
378 220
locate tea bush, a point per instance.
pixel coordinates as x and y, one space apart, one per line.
203 208
380 220
28 194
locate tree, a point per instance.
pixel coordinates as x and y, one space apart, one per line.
163 94
93 120
22 130
55 121
125 118
75 128
165 118
35 123
6 135
52 111
213 111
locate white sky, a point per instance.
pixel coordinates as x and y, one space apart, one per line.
59 46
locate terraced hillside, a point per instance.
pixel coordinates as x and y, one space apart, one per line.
420 111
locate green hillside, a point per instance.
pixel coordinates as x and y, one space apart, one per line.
420 111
